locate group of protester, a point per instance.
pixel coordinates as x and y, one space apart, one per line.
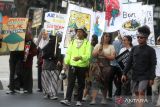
92 66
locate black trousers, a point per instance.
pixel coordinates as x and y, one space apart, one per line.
27 79
16 69
73 74
117 80
39 77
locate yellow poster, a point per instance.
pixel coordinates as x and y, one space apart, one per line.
13 34
76 20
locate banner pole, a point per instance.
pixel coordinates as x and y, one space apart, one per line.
36 31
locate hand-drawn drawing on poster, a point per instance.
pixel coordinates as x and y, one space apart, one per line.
113 15
77 17
98 27
131 20
13 34
55 23
147 11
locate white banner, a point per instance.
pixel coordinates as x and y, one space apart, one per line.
131 20
128 1
55 22
147 11
77 17
55 17
98 24
114 17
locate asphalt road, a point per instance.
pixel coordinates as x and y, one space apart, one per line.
36 99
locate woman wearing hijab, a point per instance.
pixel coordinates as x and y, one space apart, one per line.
50 74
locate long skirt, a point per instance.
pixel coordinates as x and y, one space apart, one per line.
50 82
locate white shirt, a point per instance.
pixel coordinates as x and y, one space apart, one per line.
123 49
43 43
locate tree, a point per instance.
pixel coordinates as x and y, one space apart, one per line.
23 5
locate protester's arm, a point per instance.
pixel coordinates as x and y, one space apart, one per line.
153 63
96 50
113 53
33 50
87 55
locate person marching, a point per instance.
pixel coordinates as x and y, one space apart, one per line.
50 74
143 61
77 60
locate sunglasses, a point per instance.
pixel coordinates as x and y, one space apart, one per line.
141 37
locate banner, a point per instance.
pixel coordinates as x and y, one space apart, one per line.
98 27
131 20
77 17
147 13
55 22
122 59
13 33
128 1
113 15
37 17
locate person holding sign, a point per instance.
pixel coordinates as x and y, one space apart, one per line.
143 61
127 43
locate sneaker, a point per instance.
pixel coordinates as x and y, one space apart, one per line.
103 101
27 92
65 102
93 102
45 96
54 98
21 92
84 98
78 103
39 90
10 92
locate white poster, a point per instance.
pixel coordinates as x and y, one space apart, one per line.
98 24
113 15
37 17
77 17
55 22
128 1
131 20
147 12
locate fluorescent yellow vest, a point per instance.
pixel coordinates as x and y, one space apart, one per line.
84 51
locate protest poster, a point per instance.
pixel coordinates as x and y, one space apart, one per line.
13 32
147 13
37 17
128 1
77 17
113 15
98 24
55 23
122 59
131 20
